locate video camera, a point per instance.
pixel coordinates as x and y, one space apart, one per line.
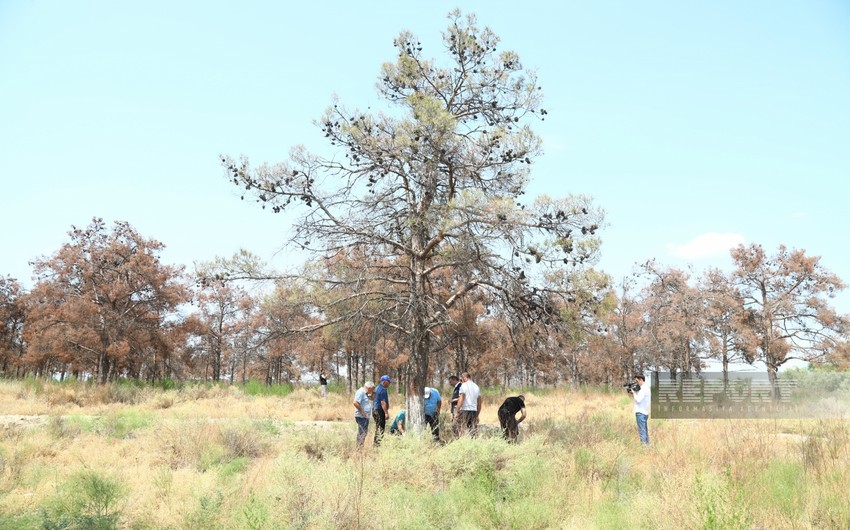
631 387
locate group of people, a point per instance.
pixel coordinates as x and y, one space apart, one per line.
465 409
372 401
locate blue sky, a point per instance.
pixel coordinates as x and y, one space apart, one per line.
695 125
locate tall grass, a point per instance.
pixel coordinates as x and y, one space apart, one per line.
256 388
225 457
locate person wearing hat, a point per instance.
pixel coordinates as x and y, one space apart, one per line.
433 404
363 409
381 408
507 417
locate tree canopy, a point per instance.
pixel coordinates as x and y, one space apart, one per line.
102 303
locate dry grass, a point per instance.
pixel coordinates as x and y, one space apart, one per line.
217 458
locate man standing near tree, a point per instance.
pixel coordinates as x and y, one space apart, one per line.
433 404
381 408
468 406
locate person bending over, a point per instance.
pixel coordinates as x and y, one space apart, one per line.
507 417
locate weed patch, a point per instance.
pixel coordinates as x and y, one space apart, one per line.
88 501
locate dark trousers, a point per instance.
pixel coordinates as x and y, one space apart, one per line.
380 424
434 423
510 428
468 422
455 423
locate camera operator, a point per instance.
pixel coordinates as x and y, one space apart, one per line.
642 399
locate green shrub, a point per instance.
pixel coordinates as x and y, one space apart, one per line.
118 425
89 501
31 386
719 505
233 467
205 515
58 427
72 425
166 383
256 388
780 487
338 388
205 390
612 514
256 513
20 522
127 391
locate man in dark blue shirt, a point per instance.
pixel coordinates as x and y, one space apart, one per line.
381 408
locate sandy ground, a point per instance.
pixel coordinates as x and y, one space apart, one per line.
17 420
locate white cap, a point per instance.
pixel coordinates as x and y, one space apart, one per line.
426 392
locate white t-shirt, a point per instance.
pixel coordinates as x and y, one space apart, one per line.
470 393
643 398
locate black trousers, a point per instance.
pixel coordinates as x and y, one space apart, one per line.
468 423
380 424
434 423
510 428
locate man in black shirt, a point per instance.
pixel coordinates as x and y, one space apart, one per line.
454 381
507 417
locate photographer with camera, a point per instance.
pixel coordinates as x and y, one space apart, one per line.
640 391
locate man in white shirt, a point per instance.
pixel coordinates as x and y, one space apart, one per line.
642 400
468 406
363 409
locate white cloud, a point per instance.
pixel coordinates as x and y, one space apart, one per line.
708 245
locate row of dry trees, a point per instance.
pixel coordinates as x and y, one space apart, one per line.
105 306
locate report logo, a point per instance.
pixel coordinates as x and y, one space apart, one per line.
745 395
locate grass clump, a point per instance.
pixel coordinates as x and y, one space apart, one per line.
206 513
256 388
20 522
720 505
88 501
121 425
780 490
205 446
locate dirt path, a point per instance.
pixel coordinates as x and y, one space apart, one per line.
19 420
22 420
